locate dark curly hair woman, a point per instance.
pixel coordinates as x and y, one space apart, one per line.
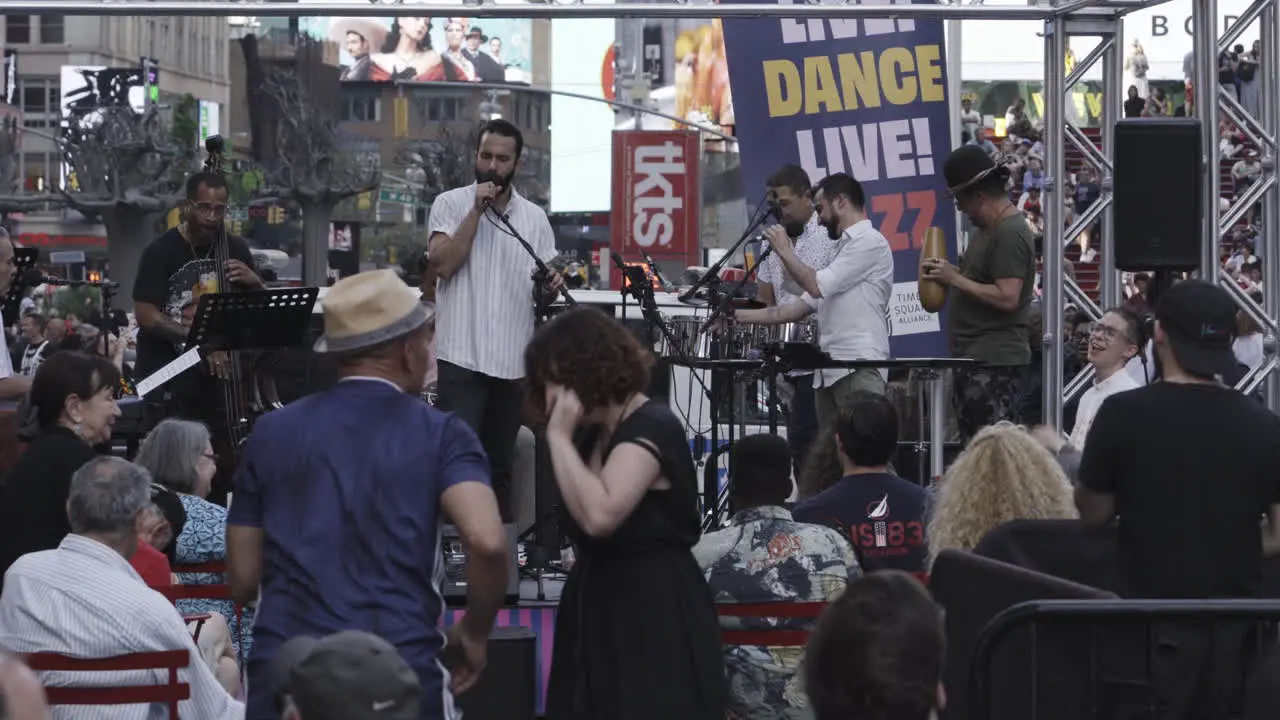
636 634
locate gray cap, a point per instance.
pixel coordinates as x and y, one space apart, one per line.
350 675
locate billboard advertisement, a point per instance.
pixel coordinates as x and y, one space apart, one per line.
210 120
688 74
656 194
581 129
428 49
875 108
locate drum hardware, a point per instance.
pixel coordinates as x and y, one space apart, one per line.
705 292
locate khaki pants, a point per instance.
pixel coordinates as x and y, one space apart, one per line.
829 400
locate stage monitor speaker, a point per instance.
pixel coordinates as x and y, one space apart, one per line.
1156 192
455 566
507 689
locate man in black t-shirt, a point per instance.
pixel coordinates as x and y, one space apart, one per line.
176 269
1191 467
880 513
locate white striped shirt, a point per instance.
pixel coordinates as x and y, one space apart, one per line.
486 309
84 600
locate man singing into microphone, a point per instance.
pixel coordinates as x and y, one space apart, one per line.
485 297
790 193
851 295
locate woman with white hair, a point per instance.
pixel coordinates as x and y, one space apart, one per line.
179 455
1004 474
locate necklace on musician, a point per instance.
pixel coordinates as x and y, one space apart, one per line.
185 232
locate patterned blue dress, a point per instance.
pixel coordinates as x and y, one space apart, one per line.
204 539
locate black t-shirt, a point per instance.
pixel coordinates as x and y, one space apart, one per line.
1193 468
881 514
172 276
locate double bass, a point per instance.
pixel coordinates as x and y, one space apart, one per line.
249 390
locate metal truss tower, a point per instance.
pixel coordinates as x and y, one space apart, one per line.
1062 20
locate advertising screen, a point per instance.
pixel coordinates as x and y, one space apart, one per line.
427 49
688 75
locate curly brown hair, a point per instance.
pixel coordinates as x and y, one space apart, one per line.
587 351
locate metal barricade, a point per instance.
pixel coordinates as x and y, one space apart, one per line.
1085 616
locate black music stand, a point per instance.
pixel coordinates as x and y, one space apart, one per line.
24 259
254 320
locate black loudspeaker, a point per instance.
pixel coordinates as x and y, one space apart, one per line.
508 686
454 586
1159 163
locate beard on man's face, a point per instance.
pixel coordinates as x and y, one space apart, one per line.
493 176
833 227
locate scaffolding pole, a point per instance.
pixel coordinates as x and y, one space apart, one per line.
1204 23
1113 94
1270 107
1055 71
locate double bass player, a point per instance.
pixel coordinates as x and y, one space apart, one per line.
176 269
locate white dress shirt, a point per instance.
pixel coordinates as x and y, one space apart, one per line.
485 311
84 600
853 312
1119 382
815 249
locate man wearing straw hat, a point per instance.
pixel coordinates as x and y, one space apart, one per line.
992 291
339 497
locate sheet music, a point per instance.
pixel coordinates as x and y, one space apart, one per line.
184 362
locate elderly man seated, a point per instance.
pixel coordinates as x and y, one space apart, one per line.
84 600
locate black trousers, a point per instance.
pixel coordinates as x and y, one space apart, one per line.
802 420
493 407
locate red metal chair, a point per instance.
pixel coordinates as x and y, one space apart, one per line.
769 637
220 591
170 693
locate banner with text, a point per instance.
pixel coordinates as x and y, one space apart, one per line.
864 97
657 182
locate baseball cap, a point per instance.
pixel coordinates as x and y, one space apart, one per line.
350 675
1200 320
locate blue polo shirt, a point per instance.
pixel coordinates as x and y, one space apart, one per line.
346 487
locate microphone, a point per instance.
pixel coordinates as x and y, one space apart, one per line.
489 200
653 268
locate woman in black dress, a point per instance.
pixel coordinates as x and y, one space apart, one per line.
636 633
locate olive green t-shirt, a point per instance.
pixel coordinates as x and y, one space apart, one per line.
978 330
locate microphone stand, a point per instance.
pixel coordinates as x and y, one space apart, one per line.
712 275
541 275
636 284
722 308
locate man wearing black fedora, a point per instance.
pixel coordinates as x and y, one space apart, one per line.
487 69
992 290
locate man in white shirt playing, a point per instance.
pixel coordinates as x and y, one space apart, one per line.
791 195
850 296
84 600
485 297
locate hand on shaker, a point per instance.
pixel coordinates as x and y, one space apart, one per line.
485 194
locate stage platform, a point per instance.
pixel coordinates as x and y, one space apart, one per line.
537 615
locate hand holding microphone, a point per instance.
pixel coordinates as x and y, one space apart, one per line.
486 192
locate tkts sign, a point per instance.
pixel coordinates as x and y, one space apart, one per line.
656 201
